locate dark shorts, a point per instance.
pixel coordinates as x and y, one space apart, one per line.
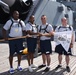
15 46
45 46
31 44
60 50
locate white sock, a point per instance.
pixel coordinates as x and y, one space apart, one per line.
48 66
44 64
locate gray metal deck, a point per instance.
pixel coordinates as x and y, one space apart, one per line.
4 64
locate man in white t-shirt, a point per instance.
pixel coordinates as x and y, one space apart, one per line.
16 27
31 41
59 49
45 42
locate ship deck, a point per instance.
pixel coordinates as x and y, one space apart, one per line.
4 64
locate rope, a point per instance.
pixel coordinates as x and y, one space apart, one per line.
16 38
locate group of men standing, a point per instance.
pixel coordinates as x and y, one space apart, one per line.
42 33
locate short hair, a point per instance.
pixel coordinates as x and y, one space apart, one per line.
14 11
63 18
31 16
43 15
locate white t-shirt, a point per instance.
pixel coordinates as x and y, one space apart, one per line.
31 27
62 29
48 29
16 28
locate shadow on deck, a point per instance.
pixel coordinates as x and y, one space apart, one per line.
4 64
